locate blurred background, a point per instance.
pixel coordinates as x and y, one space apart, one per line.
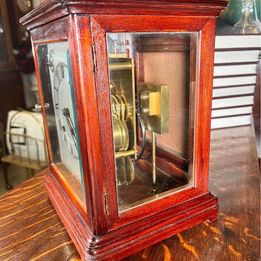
236 93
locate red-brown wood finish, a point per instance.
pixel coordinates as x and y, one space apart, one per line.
128 240
84 79
99 231
205 27
56 33
51 10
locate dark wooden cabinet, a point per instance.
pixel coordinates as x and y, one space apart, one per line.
126 93
11 93
6 52
16 10
11 89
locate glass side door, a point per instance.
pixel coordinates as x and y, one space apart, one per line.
151 81
61 120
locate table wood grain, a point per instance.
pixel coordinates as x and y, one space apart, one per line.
31 230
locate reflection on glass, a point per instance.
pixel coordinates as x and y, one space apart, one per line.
60 110
152 78
248 23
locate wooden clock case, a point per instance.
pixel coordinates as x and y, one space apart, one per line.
92 219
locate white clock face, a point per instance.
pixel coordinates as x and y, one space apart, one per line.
64 109
63 112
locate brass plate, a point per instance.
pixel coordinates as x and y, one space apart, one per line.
154 102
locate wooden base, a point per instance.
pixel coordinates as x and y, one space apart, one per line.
131 238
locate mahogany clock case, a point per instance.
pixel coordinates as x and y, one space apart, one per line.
90 211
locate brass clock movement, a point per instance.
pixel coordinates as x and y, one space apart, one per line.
125 93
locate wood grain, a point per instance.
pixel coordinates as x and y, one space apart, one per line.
51 10
30 229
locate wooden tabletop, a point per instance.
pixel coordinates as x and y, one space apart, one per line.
31 230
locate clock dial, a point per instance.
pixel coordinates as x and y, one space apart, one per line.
64 109
62 121
24 5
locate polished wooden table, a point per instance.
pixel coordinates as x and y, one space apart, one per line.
31 230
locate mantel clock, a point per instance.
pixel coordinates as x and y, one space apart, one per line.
125 91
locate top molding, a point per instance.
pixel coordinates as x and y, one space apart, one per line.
51 10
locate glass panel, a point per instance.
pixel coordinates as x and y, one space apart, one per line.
55 72
152 78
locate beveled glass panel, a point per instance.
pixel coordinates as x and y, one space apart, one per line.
152 81
57 87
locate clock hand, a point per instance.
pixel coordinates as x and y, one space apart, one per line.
69 121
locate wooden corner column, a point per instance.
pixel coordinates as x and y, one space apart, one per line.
126 90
